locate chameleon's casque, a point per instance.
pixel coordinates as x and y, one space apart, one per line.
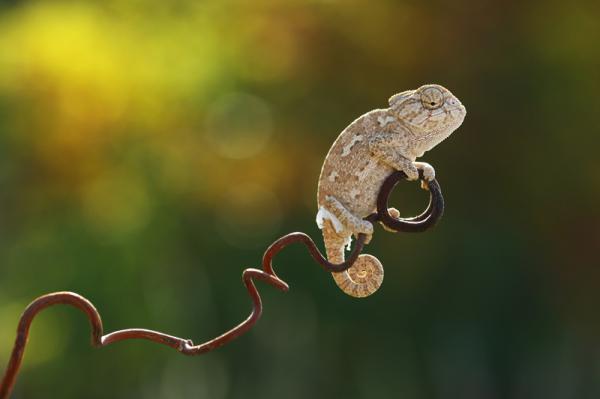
363 156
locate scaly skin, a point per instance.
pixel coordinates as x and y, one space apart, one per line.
363 156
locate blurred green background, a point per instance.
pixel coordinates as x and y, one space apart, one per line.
151 150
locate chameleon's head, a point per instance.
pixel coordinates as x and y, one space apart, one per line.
431 111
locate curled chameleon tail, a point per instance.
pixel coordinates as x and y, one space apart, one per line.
364 277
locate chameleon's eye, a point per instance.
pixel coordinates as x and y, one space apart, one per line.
432 98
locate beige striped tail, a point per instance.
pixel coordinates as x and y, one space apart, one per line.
366 274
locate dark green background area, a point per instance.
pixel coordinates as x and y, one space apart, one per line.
150 152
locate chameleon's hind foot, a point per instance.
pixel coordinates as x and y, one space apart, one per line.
363 278
347 219
394 213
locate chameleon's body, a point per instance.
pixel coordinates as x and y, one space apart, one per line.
363 156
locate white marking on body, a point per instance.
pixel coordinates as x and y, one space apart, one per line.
365 123
348 147
384 121
362 174
354 193
324 214
332 176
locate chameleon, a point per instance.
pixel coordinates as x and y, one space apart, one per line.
362 157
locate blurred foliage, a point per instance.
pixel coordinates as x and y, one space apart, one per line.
151 150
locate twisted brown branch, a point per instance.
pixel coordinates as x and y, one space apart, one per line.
426 220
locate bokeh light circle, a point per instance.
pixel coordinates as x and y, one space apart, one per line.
238 125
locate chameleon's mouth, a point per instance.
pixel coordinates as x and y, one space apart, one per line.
458 107
462 112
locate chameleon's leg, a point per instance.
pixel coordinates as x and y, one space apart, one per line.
384 148
364 277
353 223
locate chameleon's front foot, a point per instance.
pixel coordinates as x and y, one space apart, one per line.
428 170
428 173
363 278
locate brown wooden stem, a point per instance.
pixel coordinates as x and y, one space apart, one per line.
420 223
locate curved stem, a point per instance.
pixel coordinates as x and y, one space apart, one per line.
417 224
185 346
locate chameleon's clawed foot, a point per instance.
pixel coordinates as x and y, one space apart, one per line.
348 220
364 227
428 173
428 170
363 278
395 213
